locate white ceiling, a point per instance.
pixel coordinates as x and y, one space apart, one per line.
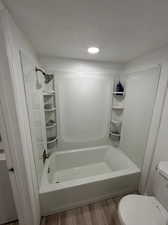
123 29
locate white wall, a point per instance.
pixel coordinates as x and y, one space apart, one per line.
15 41
144 62
80 66
141 90
84 92
84 108
157 185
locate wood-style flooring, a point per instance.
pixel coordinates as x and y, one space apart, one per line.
11 223
99 213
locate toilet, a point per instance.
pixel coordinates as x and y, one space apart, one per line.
147 210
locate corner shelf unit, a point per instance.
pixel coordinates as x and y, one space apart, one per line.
118 98
49 99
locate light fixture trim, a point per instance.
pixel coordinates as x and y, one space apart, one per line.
93 50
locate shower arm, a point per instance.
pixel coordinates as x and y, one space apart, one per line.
48 77
40 70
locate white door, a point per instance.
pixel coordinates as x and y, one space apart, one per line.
19 151
7 205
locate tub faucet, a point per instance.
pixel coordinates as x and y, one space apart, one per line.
45 156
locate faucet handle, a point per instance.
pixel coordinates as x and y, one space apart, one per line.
45 155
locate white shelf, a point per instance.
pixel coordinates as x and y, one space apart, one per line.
52 141
51 126
49 93
50 110
115 134
118 107
115 121
118 93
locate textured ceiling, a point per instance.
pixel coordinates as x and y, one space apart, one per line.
123 29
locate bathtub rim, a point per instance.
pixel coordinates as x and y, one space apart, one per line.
46 187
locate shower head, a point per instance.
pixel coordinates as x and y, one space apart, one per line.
48 78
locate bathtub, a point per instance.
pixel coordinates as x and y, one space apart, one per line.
77 177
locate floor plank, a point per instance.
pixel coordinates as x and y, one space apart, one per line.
100 213
11 223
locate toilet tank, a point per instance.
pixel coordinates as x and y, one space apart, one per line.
160 188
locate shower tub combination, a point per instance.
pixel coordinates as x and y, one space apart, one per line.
77 177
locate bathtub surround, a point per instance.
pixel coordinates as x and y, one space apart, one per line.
83 97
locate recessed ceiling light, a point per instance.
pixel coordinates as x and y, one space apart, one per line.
93 50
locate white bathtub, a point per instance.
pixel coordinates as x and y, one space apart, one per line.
76 177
